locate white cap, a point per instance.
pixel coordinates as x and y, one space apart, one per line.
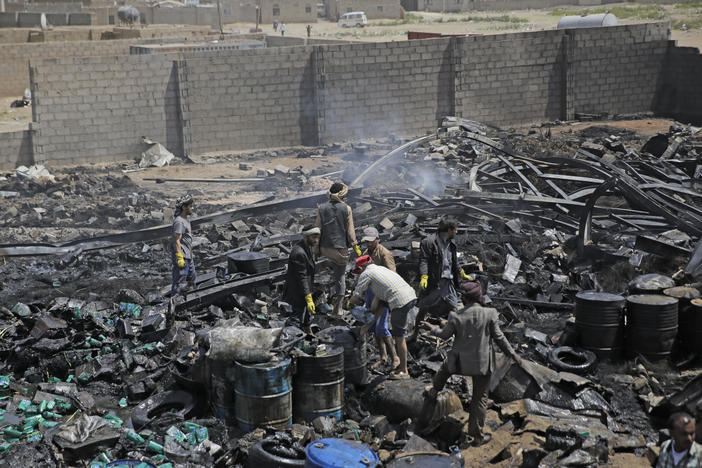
369 234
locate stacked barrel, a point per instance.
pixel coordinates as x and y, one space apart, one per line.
647 322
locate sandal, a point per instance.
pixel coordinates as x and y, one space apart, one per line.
482 441
398 376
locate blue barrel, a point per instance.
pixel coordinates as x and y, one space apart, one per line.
340 453
263 395
318 385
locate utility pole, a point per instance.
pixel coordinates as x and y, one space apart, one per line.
258 13
219 16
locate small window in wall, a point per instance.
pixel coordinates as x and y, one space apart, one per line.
308 9
276 10
380 7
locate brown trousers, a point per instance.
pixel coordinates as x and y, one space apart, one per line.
478 402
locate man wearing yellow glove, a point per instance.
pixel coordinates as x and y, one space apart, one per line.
335 220
299 278
439 272
181 247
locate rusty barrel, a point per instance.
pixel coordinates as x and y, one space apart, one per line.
221 389
263 394
318 385
686 316
355 357
652 325
599 320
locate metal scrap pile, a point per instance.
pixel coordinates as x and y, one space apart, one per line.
98 366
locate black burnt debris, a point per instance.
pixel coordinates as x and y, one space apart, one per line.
584 236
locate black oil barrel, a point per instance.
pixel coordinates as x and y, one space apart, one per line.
686 327
318 385
599 320
355 356
652 325
693 324
248 262
652 283
221 390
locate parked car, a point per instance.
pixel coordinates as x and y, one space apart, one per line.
353 19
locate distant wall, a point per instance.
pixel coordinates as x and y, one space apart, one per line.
374 9
14 59
305 95
33 19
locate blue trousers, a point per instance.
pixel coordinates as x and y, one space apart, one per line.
188 273
381 325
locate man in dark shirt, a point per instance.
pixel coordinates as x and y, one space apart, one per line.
439 273
299 278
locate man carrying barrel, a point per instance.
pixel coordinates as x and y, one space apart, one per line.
390 291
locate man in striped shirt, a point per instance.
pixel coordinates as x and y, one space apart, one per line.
390 291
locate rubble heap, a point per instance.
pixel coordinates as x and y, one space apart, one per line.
99 367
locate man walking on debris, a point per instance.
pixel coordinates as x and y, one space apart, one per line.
335 220
383 257
299 278
390 291
181 247
439 273
474 328
681 450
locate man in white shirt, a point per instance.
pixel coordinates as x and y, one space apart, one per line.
681 451
390 291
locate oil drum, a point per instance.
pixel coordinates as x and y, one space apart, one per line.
652 325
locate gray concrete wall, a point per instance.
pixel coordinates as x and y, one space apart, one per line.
304 95
14 59
98 108
680 95
15 149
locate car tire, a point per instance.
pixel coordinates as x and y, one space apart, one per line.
575 360
260 457
150 408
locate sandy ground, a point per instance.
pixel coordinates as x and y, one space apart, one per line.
493 22
13 119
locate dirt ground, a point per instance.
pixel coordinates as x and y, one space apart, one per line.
499 22
13 119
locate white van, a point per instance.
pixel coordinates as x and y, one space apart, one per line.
353 19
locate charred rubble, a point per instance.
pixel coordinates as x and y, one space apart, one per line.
99 366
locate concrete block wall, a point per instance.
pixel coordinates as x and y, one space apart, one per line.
617 70
94 109
385 87
14 60
16 149
680 95
240 99
97 108
511 78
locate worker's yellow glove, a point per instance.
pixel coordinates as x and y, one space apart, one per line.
180 261
310 303
348 305
423 282
357 249
465 276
